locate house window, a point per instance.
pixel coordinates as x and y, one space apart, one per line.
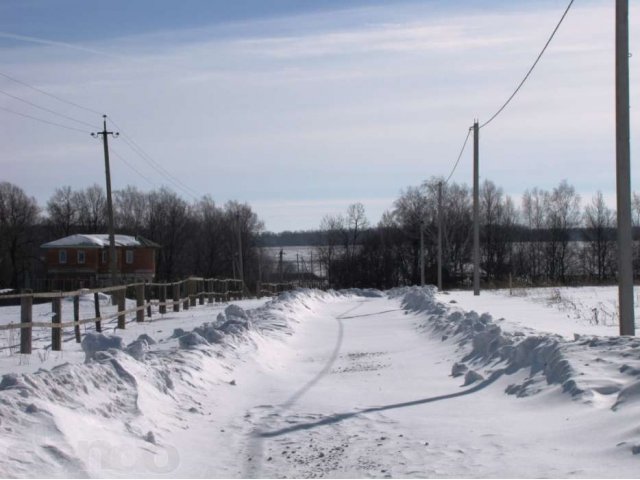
81 257
62 256
104 256
129 257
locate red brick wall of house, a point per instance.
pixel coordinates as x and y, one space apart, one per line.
144 261
90 263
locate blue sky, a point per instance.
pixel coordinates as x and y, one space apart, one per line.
301 108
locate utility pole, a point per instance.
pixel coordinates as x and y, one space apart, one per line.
623 172
476 209
439 236
112 239
421 252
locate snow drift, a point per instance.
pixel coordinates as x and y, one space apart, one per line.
108 415
548 359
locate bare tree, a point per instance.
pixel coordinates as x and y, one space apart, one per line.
92 209
63 211
563 216
169 224
457 224
534 216
413 211
599 222
131 209
18 214
356 223
240 219
332 228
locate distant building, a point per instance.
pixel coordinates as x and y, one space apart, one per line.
83 260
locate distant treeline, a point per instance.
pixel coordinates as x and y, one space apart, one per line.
549 239
313 238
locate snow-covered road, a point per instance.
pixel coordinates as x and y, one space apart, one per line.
354 385
358 391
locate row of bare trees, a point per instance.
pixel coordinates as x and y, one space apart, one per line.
549 238
198 238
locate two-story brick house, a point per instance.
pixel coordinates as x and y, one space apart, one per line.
84 259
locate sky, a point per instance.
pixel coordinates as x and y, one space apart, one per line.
301 108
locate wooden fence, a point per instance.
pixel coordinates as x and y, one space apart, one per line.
270 289
182 294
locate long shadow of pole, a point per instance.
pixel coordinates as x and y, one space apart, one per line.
339 417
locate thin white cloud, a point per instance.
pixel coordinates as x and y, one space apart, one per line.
53 43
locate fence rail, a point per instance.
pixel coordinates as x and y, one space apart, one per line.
184 294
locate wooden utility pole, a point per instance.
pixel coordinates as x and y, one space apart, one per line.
421 252
623 172
476 210
112 240
439 236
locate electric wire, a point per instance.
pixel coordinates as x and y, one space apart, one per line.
43 120
132 144
124 160
459 156
45 109
531 69
60 99
156 165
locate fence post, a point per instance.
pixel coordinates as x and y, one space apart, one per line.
140 302
76 318
185 295
191 287
209 290
148 296
201 292
162 308
175 290
26 316
56 333
121 308
96 303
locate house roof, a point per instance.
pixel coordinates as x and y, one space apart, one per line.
100 240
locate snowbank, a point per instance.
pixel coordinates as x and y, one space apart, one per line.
107 416
548 359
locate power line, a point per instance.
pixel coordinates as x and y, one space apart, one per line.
121 158
459 157
531 69
43 120
128 140
60 99
154 164
47 109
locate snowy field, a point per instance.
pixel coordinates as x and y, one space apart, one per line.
405 383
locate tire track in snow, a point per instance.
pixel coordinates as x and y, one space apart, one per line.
255 448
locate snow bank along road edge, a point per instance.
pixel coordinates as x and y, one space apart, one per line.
603 371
